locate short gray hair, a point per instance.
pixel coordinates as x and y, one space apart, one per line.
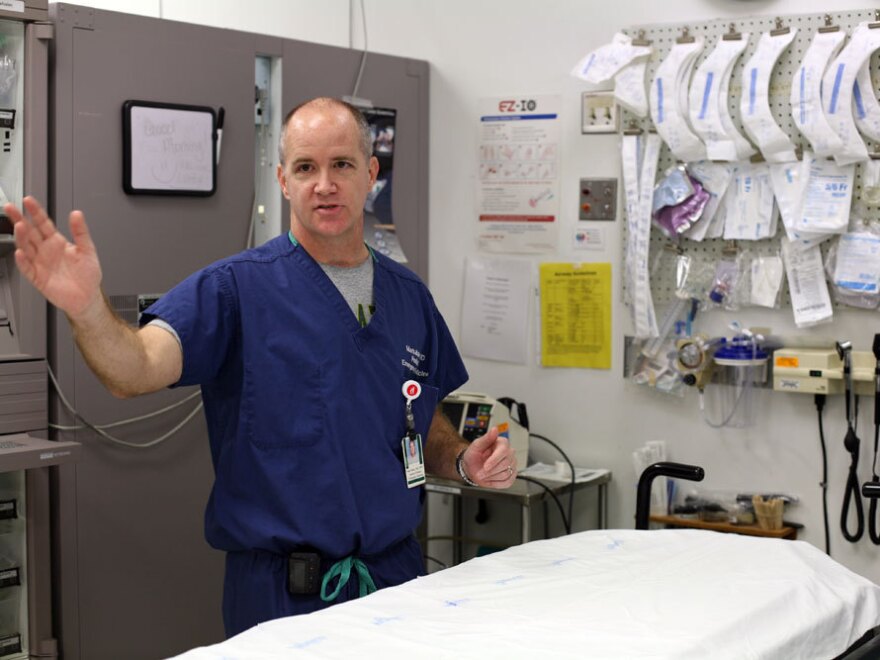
366 135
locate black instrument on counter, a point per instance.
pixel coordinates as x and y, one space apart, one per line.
852 444
873 486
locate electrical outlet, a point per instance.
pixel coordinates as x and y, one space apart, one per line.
598 113
598 199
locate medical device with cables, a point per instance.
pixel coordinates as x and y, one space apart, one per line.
873 531
694 359
851 442
734 366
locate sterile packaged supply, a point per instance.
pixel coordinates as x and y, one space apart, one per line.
639 157
866 106
679 201
707 102
827 199
629 87
757 118
806 86
696 277
682 269
765 274
673 188
789 182
724 284
675 220
668 266
652 364
656 372
760 280
714 178
751 212
871 182
853 266
838 85
810 300
603 63
668 101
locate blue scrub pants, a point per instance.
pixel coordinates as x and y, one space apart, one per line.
255 587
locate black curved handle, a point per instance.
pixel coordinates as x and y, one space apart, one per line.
871 489
664 469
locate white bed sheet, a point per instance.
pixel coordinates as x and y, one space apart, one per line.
600 594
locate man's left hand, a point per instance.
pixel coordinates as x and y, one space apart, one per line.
489 461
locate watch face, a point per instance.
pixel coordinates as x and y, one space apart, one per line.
690 355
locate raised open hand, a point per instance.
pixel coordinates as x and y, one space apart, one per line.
67 274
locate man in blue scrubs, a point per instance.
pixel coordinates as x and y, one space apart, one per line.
320 364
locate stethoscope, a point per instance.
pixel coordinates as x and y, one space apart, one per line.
852 444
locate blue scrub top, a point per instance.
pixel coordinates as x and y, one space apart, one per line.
304 407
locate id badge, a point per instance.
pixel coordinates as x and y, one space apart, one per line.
413 460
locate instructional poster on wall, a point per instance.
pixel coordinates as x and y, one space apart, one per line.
576 315
518 180
495 309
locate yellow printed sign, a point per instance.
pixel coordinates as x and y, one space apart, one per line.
576 315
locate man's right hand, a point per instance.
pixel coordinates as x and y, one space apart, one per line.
67 274
127 361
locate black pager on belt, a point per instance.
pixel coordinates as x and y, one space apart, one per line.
304 573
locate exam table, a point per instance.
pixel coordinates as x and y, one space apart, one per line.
598 594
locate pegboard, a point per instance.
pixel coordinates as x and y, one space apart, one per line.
662 38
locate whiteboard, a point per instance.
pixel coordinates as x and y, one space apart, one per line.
169 149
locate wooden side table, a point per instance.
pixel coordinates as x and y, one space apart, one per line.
748 530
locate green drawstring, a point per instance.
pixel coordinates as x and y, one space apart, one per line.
342 570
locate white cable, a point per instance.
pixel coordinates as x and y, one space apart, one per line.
131 420
357 83
351 23
117 441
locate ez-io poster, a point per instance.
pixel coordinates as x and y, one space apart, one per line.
518 177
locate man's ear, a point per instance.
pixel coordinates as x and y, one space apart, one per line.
282 181
374 170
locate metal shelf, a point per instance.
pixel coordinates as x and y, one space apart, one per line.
20 451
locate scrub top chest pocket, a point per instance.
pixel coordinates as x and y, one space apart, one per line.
292 392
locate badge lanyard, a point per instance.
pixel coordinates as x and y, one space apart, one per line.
411 444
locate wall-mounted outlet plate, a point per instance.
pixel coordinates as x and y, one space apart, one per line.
599 113
598 199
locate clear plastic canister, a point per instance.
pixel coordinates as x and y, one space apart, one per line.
741 369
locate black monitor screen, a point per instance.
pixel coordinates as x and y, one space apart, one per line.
453 411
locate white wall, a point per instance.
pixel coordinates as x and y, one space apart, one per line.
483 48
